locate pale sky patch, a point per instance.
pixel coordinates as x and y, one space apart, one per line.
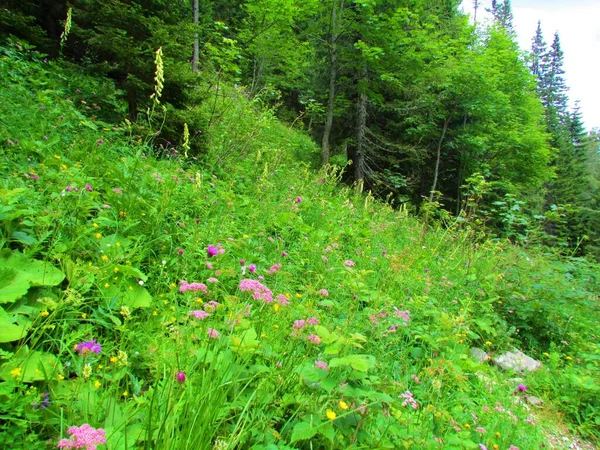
578 25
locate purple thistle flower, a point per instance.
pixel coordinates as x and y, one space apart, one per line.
211 250
252 268
88 347
88 187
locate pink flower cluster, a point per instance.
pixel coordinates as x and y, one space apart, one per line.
321 365
184 286
259 291
84 437
274 268
199 314
409 400
404 315
282 300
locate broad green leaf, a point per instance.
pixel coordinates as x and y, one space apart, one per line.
24 238
12 327
247 342
303 430
34 365
39 273
362 363
13 285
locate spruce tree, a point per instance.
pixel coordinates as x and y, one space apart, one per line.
539 51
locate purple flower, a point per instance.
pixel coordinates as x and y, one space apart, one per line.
284 253
252 268
180 377
299 324
259 290
274 268
211 250
349 263
99 142
298 199
44 403
180 251
184 286
88 347
88 187
242 262
324 292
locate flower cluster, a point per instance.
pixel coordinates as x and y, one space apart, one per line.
184 286
85 437
409 400
259 291
88 347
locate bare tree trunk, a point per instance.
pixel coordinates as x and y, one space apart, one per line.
196 55
437 160
333 37
475 8
361 126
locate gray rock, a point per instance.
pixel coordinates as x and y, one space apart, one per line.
480 355
517 361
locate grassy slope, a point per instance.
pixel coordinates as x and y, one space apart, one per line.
151 220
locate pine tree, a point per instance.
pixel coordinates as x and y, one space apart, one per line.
503 15
539 51
554 89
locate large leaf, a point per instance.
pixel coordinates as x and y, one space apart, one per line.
247 342
303 430
39 273
34 365
12 327
362 363
13 284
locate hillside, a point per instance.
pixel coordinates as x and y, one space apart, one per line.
245 299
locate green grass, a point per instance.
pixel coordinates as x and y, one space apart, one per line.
105 263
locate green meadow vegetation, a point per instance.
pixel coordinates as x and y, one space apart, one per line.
246 298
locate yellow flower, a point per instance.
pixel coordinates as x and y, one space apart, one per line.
172 285
97 384
16 373
118 244
44 313
60 377
275 326
115 269
114 360
488 343
95 225
467 426
331 415
106 285
343 405
125 394
495 447
98 235
56 157
569 357
84 316
276 307
104 258
298 295
154 313
497 434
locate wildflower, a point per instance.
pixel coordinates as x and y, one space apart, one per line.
242 262
88 347
209 266
521 388
199 314
211 250
343 405
299 324
98 235
125 312
87 371
314 338
312 321
259 291
84 437
349 263
298 199
117 191
404 315
212 280
282 300
324 292
97 384
213 334
180 251
481 430
482 447
211 306
180 377
321 365
415 379
99 142
284 253
513 447
88 187
44 313
122 358
409 400
274 268
184 286
252 268
331 415
16 372
44 403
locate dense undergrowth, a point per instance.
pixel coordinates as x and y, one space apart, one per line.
245 300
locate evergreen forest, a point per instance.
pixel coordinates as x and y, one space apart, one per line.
285 224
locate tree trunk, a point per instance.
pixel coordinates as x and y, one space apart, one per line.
196 55
437 160
361 126
333 37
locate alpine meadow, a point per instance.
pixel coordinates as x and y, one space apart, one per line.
293 224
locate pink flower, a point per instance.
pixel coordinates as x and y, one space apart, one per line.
415 379
180 251
284 253
324 292
299 324
481 430
298 199
212 333
314 338
513 447
88 187
212 280
312 321
259 291
409 400
199 314
349 263
84 437
184 286
211 306
321 365
211 250
252 268
117 191
274 268
282 300
209 266
404 315
180 377
328 249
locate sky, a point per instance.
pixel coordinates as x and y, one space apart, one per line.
578 26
